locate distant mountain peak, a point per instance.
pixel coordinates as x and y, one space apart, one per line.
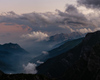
11 45
65 36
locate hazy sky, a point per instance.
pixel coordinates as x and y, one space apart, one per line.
27 6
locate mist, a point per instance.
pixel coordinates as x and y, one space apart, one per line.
30 68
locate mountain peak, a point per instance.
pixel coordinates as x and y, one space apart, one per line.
92 38
65 36
11 45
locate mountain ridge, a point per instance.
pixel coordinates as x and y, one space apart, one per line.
65 36
12 47
10 57
59 64
57 51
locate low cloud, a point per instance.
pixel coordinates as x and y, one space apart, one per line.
87 30
30 68
45 52
96 29
40 62
84 30
37 36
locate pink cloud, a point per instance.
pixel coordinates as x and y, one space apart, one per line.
14 28
12 32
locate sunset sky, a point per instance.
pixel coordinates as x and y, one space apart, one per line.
35 20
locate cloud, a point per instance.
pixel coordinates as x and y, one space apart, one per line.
96 29
30 68
13 28
11 32
84 30
45 52
90 3
73 18
37 36
40 62
71 8
87 30
49 22
12 13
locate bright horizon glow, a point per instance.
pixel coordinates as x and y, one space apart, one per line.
27 6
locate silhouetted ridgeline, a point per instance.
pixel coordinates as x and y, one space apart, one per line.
80 63
4 76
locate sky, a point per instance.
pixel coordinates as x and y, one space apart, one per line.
27 6
33 21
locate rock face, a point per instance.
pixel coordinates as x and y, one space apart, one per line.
80 63
88 67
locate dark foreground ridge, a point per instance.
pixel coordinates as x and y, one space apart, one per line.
80 63
4 76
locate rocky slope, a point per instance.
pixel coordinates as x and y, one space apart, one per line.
57 51
78 56
88 67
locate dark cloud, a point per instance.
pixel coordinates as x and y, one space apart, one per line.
11 13
90 3
74 18
71 8
50 23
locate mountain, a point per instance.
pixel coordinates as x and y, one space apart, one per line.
65 47
88 66
52 42
79 63
11 57
64 36
12 48
57 51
